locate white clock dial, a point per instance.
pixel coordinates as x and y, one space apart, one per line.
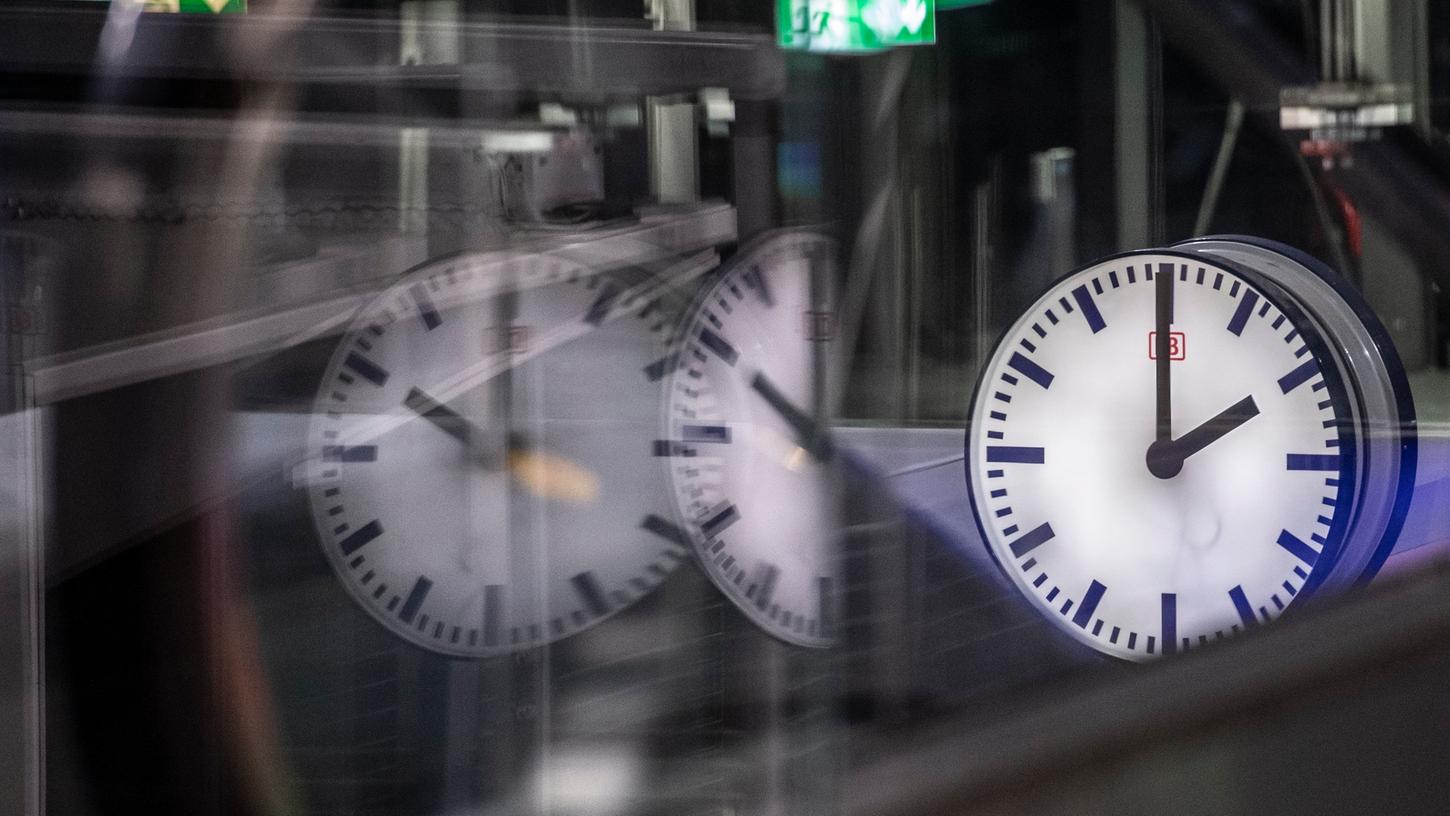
745 445
479 469
1243 503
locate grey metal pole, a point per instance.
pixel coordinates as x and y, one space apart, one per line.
22 756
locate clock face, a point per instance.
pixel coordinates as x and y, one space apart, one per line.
1143 539
745 447
478 457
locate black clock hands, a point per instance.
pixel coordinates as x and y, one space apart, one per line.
448 420
1163 351
1166 456
455 425
809 433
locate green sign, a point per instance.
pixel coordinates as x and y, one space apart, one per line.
190 6
855 25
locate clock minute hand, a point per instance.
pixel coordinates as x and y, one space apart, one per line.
812 437
1162 352
1166 457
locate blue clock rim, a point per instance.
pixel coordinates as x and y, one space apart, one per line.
1340 393
1271 292
1394 369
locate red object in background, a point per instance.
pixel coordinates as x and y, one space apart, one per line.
1177 346
1353 226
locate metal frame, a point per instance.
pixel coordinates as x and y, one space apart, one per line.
350 56
332 290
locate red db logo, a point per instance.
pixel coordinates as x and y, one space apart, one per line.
1177 346
820 326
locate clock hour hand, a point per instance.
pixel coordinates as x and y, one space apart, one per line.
543 474
1165 457
809 433
1162 352
455 425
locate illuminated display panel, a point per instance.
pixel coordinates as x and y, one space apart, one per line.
855 25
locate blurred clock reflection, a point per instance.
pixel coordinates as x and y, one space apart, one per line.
746 448
478 466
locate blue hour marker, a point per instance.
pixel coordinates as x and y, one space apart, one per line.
755 281
1089 604
601 306
1089 309
720 521
1312 461
426 310
705 433
1031 540
1298 376
1030 370
1241 604
1170 623
1021 455
360 536
415 599
358 453
764 587
1243 313
717 344
670 448
590 593
365 368
1298 548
